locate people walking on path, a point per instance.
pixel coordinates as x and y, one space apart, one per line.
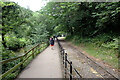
52 43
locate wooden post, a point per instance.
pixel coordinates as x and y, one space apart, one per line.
65 65
70 70
33 53
39 48
21 66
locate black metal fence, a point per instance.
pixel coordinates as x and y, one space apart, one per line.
67 64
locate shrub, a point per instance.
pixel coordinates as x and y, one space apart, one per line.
14 43
112 45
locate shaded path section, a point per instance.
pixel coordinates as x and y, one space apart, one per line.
46 65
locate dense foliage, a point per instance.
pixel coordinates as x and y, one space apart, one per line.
82 22
87 21
21 27
100 21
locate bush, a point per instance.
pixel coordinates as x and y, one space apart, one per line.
7 54
112 45
14 43
103 40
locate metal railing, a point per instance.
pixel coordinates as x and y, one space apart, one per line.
32 52
68 67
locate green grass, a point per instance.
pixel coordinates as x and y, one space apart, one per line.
104 54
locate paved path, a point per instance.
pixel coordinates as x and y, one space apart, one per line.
46 65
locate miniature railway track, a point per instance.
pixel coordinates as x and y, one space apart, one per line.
103 72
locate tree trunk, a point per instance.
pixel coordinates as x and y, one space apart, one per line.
3 40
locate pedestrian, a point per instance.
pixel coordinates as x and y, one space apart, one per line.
52 43
54 37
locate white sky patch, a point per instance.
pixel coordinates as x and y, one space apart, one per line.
33 5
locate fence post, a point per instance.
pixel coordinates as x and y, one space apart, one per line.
21 66
33 53
70 70
63 56
61 51
37 49
65 65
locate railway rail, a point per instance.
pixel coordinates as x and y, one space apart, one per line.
102 71
105 74
69 69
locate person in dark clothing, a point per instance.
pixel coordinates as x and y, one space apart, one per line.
54 37
51 43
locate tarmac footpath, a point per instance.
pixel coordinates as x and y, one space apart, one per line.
45 65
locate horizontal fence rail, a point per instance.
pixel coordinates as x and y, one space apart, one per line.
68 67
32 52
